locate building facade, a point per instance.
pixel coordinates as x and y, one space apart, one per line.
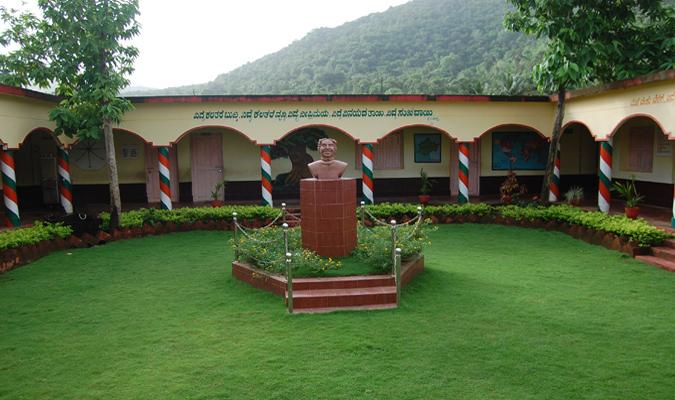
387 140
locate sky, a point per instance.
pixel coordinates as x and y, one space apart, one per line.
187 42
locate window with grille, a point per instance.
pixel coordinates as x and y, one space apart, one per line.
641 149
388 152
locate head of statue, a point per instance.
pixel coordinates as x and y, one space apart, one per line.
327 148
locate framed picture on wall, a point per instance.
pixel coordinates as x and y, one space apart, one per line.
518 151
427 147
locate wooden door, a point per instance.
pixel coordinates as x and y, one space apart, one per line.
206 162
152 173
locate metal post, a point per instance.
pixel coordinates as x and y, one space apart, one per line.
285 226
283 212
289 279
393 240
236 243
363 213
397 268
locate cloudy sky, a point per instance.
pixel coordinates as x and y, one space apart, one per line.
185 42
192 41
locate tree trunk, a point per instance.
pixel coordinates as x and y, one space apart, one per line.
555 139
115 202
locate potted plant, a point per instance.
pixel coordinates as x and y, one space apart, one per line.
425 189
629 193
574 195
215 194
510 190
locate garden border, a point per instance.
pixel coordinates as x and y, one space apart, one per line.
14 257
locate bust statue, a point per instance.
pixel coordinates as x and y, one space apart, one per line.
328 167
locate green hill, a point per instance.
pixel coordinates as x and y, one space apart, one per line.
424 46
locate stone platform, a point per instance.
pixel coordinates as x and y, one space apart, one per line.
328 210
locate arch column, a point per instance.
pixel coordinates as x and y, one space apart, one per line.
9 188
367 175
463 173
266 174
605 176
65 184
164 178
554 185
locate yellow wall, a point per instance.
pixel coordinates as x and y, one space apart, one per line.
604 112
129 170
162 124
20 115
662 167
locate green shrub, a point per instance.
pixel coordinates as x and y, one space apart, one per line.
188 215
375 245
264 248
639 230
40 231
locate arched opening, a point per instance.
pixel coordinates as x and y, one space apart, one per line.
90 176
400 155
643 152
208 155
37 172
292 152
512 147
579 154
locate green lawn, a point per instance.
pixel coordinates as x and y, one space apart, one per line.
500 313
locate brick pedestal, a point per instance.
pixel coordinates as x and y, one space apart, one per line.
328 210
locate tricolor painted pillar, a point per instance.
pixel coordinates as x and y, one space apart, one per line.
605 175
672 219
9 189
266 174
554 185
367 175
65 185
463 174
164 178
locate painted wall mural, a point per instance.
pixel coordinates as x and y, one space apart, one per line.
519 151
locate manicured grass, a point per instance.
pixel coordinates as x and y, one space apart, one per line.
500 313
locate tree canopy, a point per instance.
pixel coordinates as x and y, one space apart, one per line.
593 41
77 46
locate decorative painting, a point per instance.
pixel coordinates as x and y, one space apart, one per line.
427 147
518 151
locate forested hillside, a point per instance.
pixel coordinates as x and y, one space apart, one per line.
424 46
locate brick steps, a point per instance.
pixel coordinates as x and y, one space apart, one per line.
326 300
318 310
662 256
321 295
658 262
665 253
346 282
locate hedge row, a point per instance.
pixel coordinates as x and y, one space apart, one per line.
636 230
189 215
40 231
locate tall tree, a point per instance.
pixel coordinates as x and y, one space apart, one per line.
78 47
593 41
